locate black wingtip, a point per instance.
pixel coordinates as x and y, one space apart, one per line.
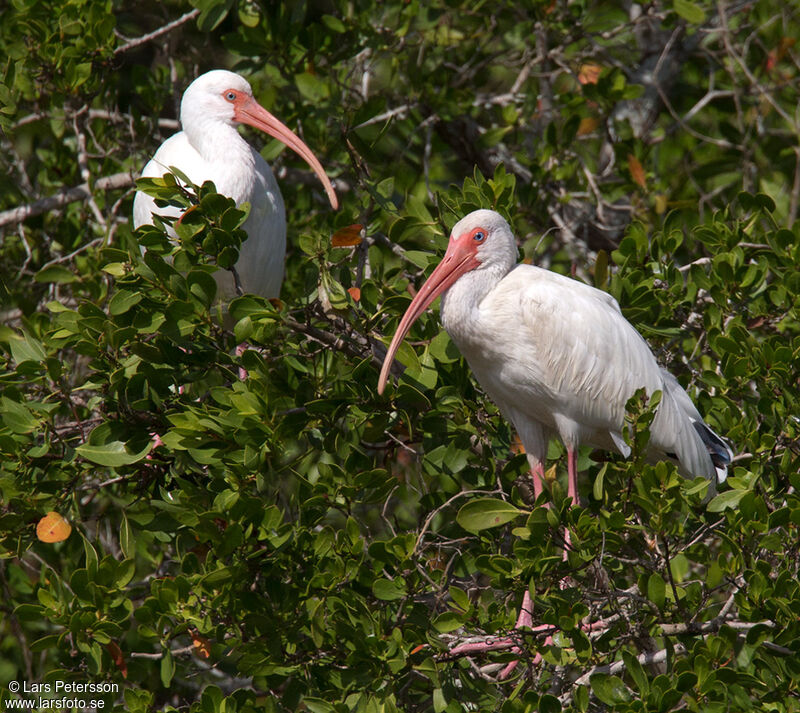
720 452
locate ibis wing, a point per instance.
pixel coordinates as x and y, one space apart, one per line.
575 361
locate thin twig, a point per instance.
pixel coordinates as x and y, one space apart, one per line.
68 195
132 43
447 503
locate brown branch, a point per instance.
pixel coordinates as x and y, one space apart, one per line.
112 116
68 195
135 42
352 344
446 504
644 659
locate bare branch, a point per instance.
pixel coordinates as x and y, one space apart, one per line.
447 503
131 44
68 195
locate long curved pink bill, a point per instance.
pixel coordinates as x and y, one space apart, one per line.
252 113
455 263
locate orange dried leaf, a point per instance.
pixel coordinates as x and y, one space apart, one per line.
202 647
116 655
348 236
778 53
417 648
53 528
355 293
516 446
588 125
589 73
637 171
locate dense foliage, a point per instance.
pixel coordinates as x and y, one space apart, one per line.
292 540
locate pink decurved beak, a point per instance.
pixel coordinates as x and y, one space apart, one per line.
248 111
460 258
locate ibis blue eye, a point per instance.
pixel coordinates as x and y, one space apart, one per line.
230 96
479 237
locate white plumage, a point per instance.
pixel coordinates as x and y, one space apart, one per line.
210 148
558 358
555 355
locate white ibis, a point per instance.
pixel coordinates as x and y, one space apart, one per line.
210 148
556 356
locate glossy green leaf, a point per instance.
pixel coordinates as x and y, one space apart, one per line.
484 513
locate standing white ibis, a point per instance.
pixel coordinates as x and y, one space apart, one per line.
556 356
210 148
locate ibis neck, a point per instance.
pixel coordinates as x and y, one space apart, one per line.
216 141
461 304
225 158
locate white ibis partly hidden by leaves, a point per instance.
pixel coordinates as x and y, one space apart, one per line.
556 356
210 148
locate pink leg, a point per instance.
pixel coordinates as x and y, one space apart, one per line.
156 443
525 619
240 349
572 487
537 471
572 471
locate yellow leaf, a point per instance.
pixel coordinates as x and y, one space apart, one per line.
589 73
53 528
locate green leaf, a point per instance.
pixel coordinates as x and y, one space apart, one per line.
167 669
91 558
333 23
126 539
597 487
212 13
317 705
549 704
55 274
26 348
447 621
636 672
123 300
29 612
727 500
609 689
690 11
388 590
211 699
656 589
311 87
113 454
17 417
601 269
46 642
484 513
125 571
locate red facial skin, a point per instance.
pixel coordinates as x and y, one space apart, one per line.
247 110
